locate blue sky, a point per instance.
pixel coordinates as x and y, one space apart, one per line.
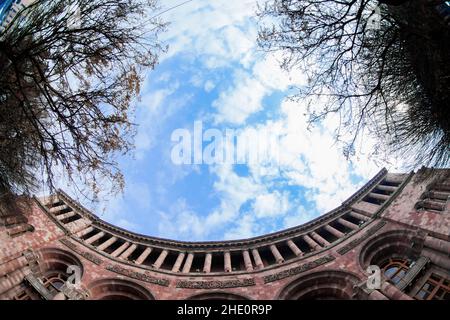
215 73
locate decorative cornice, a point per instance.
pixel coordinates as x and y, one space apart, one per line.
238 244
369 185
216 284
299 269
82 253
143 276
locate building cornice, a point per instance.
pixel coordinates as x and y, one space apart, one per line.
202 245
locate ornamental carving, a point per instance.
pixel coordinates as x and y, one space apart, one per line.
296 270
138 275
89 256
215 284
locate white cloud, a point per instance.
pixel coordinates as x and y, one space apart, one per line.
154 109
115 210
246 228
222 34
237 103
125 224
300 217
245 96
180 221
209 85
271 204
212 28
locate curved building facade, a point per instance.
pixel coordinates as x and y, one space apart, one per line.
53 248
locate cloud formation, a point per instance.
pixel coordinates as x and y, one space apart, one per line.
214 72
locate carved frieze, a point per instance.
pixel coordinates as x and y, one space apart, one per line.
299 269
89 256
143 276
215 284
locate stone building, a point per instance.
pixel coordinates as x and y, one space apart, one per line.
53 248
9 9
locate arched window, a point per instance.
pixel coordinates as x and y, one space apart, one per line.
217 296
322 285
53 282
53 274
395 269
118 289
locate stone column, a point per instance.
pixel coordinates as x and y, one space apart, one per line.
247 260
78 225
227 261
188 263
393 293
347 224
57 209
257 258
128 252
66 215
335 232
386 188
143 255
319 239
294 248
84 231
358 216
162 256
438 195
95 237
379 196
176 267
120 249
277 255
314 245
207 264
107 243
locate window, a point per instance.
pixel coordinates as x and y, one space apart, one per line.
54 282
24 295
395 269
435 288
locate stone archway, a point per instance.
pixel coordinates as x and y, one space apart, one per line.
402 244
51 269
118 289
55 260
322 285
217 295
398 254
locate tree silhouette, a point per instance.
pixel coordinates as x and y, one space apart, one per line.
69 71
382 66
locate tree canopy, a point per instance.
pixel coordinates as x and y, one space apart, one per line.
382 66
70 71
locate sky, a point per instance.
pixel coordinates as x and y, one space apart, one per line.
214 72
